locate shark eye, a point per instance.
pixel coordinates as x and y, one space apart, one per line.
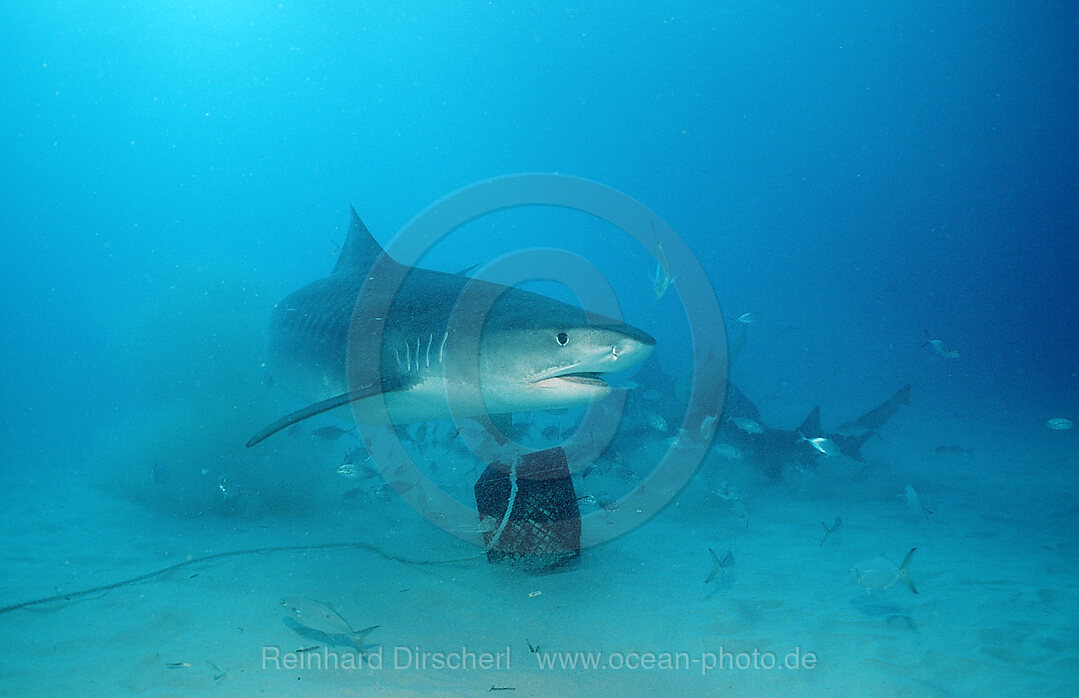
562 338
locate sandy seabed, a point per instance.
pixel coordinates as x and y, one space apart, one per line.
997 611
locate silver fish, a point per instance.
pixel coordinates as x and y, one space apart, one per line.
321 617
821 443
708 427
748 318
354 471
940 347
1060 423
658 423
879 574
728 451
661 281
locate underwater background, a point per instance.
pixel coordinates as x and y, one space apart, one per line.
860 177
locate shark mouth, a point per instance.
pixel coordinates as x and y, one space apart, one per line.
583 378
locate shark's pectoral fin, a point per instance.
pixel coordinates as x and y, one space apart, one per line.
383 386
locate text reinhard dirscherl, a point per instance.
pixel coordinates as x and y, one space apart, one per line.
402 658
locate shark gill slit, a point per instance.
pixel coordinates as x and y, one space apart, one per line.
442 346
427 356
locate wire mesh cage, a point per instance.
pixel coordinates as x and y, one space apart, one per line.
532 512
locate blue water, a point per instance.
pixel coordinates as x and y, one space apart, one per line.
855 174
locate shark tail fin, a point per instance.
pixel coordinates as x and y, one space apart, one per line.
851 446
904 571
324 406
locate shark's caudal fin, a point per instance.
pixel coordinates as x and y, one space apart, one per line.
385 386
360 250
738 405
811 425
851 446
878 416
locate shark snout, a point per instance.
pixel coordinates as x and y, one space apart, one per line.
630 347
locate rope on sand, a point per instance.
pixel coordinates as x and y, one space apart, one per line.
232 553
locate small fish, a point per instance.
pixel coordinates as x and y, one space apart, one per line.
749 426
331 433
356 455
728 451
741 512
661 281
355 496
748 318
658 423
1060 423
954 450
719 564
821 443
607 503
880 574
940 347
623 470
387 491
913 501
227 486
830 530
520 431
486 524
708 426
724 491
324 619
356 472
219 673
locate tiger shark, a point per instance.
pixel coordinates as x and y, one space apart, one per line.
417 344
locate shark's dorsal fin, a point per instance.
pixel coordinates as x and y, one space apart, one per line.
360 250
811 426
